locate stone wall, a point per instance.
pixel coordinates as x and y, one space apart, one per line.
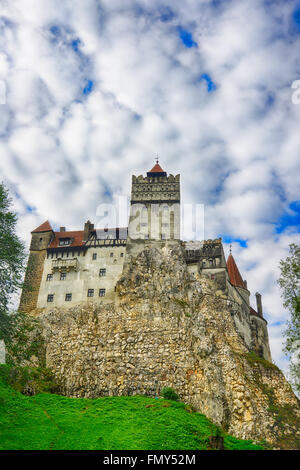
170 328
33 276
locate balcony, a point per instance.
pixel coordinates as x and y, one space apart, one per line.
65 265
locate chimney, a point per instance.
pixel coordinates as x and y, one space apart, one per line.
259 304
245 282
62 229
88 227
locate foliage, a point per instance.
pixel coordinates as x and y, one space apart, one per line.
48 421
253 359
28 380
169 394
25 341
12 257
289 281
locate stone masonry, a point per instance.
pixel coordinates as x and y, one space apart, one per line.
168 327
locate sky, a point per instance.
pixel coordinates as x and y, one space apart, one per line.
92 91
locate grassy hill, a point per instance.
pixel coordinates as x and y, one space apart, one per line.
47 421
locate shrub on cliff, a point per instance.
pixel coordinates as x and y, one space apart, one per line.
169 394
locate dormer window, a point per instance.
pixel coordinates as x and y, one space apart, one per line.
64 241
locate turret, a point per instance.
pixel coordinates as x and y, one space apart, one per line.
155 206
41 238
259 304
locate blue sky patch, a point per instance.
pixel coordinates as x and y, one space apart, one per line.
228 240
296 18
75 44
88 87
186 37
290 218
209 83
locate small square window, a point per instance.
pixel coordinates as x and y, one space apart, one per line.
63 276
102 272
122 254
111 255
101 292
49 277
64 241
90 293
94 256
50 298
68 297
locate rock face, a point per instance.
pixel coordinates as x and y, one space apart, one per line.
170 328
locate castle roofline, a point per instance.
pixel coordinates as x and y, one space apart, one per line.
45 227
76 237
234 274
156 171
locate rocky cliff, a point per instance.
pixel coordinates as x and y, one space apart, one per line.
170 328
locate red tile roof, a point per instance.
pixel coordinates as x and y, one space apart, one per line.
234 274
45 227
75 236
157 169
253 312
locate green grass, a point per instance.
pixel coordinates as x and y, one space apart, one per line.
48 421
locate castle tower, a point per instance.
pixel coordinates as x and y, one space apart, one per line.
236 279
155 206
40 239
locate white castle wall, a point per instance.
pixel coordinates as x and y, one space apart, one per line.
86 277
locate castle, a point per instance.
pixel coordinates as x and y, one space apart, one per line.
67 268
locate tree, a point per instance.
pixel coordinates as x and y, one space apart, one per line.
12 260
289 282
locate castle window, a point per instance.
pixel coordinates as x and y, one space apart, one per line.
63 276
50 297
41 239
49 277
121 254
111 255
101 292
68 297
94 256
64 241
211 262
102 272
212 276
163 236
90 293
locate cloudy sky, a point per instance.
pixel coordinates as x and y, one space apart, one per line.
92 90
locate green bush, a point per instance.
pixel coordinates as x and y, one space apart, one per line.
28 380
169 394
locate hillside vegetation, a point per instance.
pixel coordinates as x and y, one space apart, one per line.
48 421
